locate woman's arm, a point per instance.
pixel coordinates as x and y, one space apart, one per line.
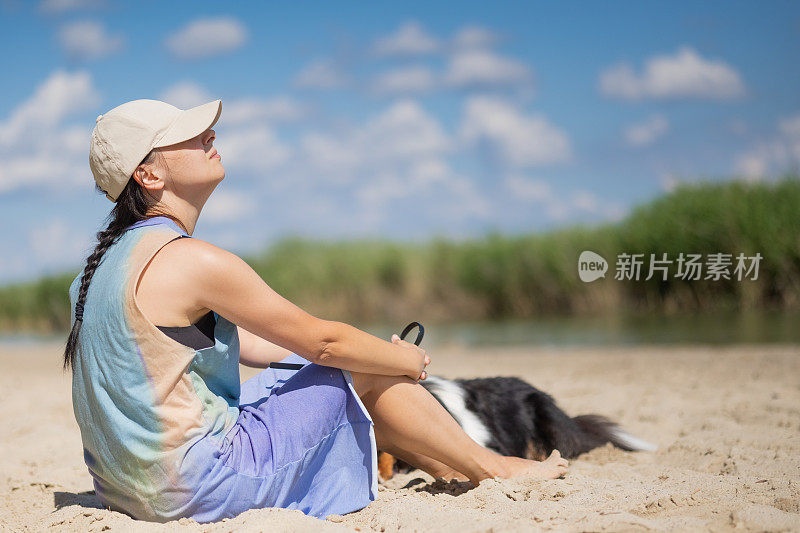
225 283
257 352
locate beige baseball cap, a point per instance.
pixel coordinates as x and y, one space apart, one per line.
126 134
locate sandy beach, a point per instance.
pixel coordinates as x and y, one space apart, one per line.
726 420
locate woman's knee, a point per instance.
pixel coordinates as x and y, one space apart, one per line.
366 383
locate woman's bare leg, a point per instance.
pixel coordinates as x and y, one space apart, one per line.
417 460
411 419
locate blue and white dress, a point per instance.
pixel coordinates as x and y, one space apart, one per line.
168 431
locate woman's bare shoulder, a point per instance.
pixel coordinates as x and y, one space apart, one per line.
174 285
197 255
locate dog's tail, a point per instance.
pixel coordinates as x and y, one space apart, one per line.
572 436
598 430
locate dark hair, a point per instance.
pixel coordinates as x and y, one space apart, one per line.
133 204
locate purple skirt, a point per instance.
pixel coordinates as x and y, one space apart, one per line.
303 440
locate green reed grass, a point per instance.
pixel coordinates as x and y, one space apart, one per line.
498 276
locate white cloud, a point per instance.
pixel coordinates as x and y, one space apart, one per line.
207 37
271 110
647 132
517 139
775 155
41 168
401 136
468 64
404 130
468 68
186 94
527 189
755 163
253 147
400 153
337 158
482 68
62 94
465 201
59 7
228 206
321 74
431 181
615 212
405 80
36 146
538 192
383 188
559 206
87 40
408 40
683 75
474 37
586 201
790 127
669 181
56 245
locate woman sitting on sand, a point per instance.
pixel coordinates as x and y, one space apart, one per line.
167 429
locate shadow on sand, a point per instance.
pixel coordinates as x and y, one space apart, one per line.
440 486
85 499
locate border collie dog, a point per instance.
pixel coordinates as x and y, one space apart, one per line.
511 417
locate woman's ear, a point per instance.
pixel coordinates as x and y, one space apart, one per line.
138 172
145 177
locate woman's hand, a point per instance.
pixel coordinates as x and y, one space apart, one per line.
418 355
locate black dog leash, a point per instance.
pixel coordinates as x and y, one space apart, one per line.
411 326
406 331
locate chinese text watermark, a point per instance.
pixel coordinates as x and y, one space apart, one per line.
688 267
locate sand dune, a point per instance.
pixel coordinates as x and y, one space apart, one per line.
727 422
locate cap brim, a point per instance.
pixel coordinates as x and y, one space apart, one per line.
191 123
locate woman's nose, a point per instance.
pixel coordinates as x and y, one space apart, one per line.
210 135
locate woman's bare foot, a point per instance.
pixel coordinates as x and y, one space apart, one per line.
553 467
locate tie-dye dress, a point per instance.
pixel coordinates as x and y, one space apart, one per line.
168 431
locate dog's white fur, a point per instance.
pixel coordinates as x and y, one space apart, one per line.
451 395
635 443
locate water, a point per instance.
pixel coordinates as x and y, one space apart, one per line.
707 328
14 340
612 330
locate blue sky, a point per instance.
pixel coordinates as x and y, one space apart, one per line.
402 120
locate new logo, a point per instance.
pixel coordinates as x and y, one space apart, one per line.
591 266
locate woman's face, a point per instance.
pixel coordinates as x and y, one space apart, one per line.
194 161
190 169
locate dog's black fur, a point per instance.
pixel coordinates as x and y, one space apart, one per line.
525 421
